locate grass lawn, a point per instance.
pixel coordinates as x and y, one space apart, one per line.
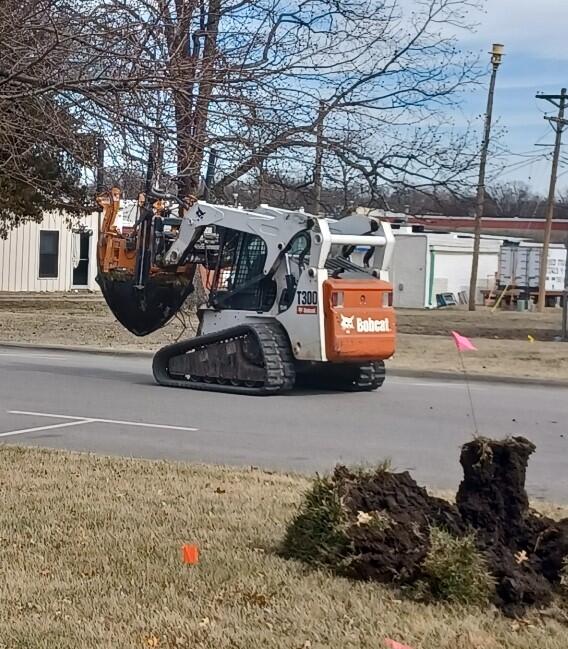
90 556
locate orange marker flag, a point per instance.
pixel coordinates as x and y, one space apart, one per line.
393 644
190 554
462 343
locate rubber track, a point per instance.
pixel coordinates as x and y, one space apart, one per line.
347 378
277 357
371 377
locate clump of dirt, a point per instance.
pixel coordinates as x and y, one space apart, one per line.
525 550
388 523
382 525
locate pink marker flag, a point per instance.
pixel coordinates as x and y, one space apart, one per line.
393 644
462 343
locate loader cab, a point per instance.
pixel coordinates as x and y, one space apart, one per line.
239 280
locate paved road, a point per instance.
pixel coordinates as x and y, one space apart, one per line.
110 404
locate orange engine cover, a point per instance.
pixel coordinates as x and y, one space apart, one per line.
359 323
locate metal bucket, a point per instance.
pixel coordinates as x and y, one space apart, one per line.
147 309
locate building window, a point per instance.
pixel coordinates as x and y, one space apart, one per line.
48 254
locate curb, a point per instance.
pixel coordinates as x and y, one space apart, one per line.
84 349
402 373
477 378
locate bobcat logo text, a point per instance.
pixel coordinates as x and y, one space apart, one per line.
364 325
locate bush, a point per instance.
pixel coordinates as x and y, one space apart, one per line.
323 533
380 525
564 577
317 534
455 570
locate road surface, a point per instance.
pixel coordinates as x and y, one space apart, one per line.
110 405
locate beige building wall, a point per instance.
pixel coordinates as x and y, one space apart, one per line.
20 256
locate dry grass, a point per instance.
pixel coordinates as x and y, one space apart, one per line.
90 557
74 321
482 323
515 358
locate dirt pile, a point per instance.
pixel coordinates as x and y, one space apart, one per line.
389 523
382 525
525 551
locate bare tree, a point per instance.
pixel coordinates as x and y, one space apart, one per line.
243 76
514 199
42 151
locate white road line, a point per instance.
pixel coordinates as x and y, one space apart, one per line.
103 421
39 428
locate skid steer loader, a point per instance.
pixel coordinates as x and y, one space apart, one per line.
293 298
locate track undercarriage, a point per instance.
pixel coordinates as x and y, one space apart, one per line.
254 359
247 359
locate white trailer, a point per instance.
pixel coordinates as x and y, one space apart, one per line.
519 267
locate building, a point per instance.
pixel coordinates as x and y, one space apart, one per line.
426 265
502 227
53 255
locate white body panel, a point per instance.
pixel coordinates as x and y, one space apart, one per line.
305 322
303 319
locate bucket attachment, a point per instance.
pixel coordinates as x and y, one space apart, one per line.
143 310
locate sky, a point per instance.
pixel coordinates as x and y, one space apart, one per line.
536 47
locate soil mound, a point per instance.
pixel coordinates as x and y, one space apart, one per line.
381 525
525 551
390 518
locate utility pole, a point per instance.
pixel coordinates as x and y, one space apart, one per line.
210 174
565 297
261 181
100 172
319 158
496 58
558 123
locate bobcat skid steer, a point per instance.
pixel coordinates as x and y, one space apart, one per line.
292 298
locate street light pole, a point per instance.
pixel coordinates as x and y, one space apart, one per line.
496 58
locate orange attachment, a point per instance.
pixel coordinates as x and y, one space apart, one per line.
360 321
190 554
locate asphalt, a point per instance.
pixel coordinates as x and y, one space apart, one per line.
110 404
